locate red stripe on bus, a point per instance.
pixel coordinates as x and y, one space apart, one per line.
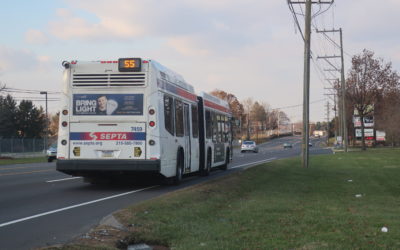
216 106
187 95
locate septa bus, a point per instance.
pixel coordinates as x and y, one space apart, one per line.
132 116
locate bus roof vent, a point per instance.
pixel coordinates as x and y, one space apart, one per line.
109 80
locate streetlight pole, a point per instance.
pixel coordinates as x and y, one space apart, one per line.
47 120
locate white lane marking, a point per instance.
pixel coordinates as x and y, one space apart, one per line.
74 206
65 179
252 163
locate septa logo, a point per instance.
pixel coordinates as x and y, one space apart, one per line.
93 136
107 136
113 136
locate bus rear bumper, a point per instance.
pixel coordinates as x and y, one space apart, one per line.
89 167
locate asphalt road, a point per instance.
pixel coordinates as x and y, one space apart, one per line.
40 206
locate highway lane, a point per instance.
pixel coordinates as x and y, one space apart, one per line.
40 206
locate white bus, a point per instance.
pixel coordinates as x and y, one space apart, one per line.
133 116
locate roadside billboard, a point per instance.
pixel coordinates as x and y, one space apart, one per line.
368 133
368 122
380 136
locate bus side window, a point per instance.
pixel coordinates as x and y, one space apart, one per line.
221 128
208 125
227 129
168 114
215 128
195 121
179 129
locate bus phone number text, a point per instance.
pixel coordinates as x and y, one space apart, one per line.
99 143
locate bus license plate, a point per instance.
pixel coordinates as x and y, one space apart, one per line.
107 153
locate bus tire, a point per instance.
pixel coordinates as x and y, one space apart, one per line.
96 180
179 168
225 166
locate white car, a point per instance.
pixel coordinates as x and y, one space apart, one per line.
51 153
249 146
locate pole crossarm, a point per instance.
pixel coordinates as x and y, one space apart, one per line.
326 31
313 2
328 57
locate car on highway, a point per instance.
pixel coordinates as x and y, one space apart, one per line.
287 145
309 144
51 153
249 146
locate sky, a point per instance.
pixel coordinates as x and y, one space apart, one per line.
250 48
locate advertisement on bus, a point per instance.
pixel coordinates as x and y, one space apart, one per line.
108 104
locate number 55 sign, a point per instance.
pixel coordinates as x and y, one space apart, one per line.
129 64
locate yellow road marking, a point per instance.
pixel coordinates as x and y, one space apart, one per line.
32 172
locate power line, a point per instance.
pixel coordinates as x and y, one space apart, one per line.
300 105
27 91
295 18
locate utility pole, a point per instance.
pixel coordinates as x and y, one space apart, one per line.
306 75
306 84
339 95
334 108
342 100
344 126
47 121
327 124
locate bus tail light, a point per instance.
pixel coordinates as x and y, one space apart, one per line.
152 111
152 123
64 142
65 112
64 123
152 143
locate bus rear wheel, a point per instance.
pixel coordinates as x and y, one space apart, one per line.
225 166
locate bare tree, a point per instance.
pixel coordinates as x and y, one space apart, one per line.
54 121
247 104
234 104
2 87
388 116
258 114
367 78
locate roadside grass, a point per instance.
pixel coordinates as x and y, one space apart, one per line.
23 160
280 205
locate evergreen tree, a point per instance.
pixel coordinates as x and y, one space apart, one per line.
31 120
8 111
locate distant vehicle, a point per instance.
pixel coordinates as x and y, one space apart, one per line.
51 153
287 145
249 146
309 144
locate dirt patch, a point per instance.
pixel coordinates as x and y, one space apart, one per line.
392 166
105 237
6 158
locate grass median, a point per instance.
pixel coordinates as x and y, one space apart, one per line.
340 202
9 161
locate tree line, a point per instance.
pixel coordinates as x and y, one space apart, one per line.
252 116
22 120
